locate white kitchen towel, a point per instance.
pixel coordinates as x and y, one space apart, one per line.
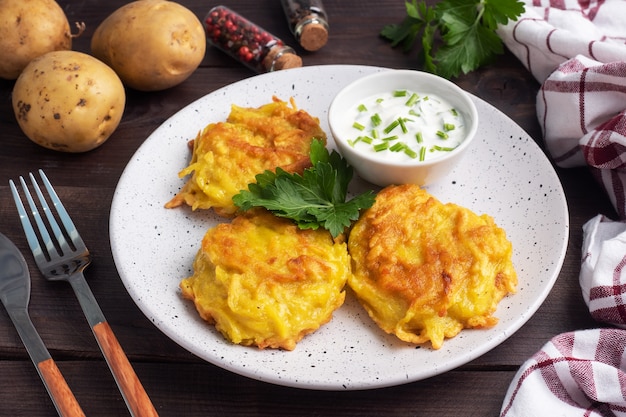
577 374
603 270
577 52
551 32
583 373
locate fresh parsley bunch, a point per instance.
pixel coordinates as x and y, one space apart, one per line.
466 29
315 198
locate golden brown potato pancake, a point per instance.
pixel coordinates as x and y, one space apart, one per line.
425 270
228 155
263 281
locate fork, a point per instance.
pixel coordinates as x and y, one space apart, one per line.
64 257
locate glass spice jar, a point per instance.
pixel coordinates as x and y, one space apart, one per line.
248 43
308 22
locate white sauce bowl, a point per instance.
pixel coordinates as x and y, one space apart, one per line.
382 170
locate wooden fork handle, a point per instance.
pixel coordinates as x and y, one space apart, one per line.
133 392
60 392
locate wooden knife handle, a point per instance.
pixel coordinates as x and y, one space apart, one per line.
61 394
133 392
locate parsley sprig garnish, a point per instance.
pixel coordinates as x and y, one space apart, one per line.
466 29
317 198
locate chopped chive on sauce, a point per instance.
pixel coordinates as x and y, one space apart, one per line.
403 125
362 107
358 126
379 147
376 120
397 147
443 148
448 127
442 135
365 139
399 93
412 100
391 126
410 152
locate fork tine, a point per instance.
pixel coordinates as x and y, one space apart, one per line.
68 224
31 235
64 217
56 231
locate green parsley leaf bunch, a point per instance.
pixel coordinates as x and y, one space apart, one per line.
317 198
466 29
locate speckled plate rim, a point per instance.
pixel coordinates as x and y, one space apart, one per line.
505 174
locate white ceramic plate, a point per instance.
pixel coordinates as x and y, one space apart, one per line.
505 174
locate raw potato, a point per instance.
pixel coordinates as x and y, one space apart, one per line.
151 44
29 29
68 101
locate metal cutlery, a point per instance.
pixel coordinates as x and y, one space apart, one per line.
15 295
63 257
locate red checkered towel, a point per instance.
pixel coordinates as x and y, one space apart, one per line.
577 51
578 374
603 270
583 373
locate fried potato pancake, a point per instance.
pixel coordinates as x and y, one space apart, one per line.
263 281
425 270
228 155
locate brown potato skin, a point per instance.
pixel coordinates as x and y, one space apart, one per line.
151 44
68 101
29 29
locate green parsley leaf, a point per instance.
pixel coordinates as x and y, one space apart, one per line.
500 12
317 198
469 47
466 29
416 20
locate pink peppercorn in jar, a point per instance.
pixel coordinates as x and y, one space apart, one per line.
248 43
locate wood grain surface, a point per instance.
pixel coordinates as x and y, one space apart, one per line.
178 383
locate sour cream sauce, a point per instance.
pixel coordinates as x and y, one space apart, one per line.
404 126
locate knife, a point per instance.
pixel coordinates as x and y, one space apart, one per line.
15 295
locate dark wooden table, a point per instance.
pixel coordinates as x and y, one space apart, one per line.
179 383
